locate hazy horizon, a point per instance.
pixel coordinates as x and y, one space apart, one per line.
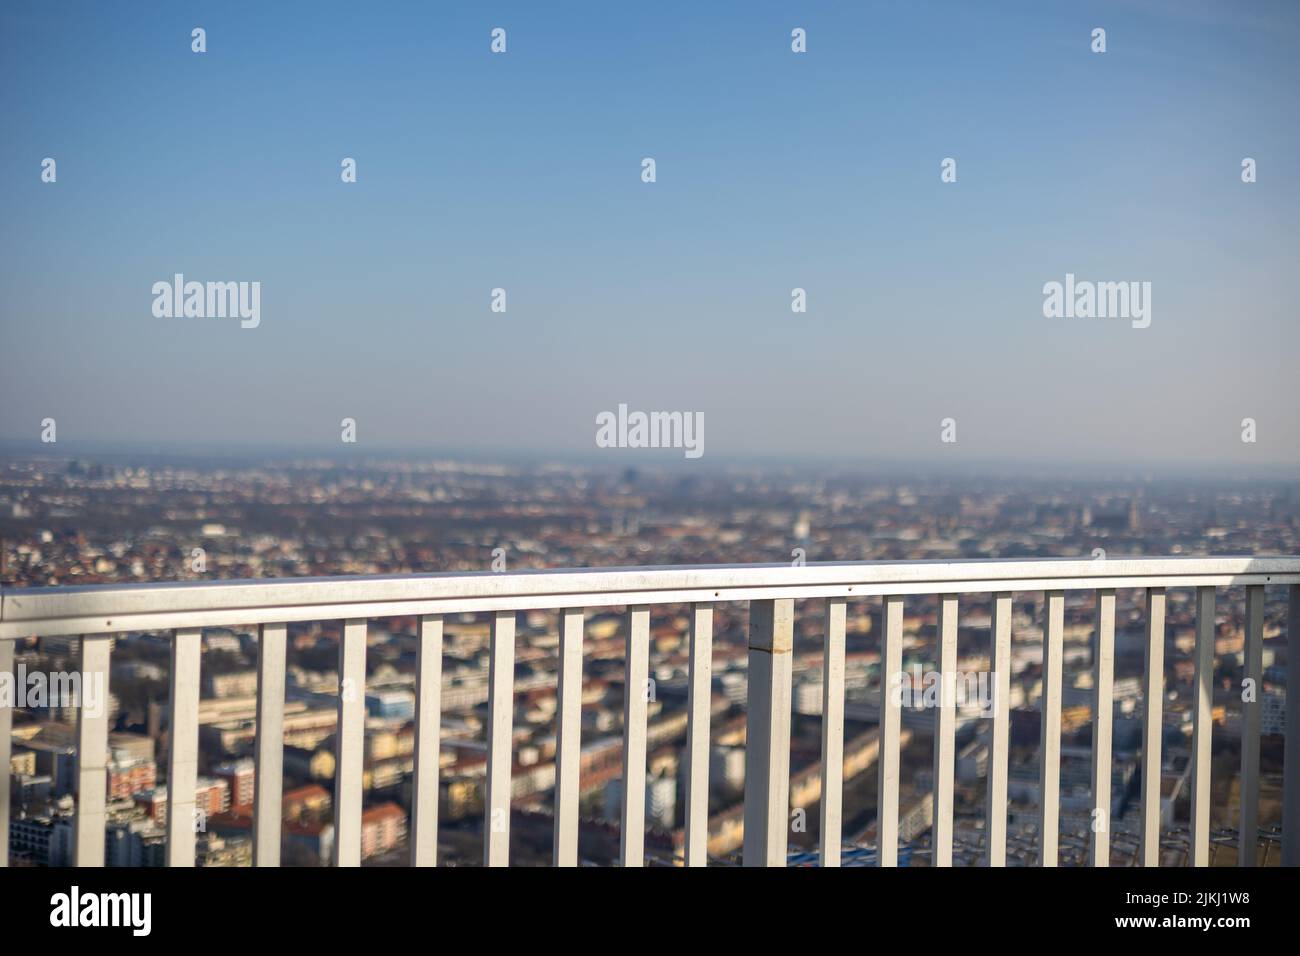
649 461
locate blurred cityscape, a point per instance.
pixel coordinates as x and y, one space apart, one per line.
77 521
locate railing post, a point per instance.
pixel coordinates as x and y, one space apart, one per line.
268 778
183 746
350 744
568 738
500 740
1153 726
1202 727
1102 714
832 732
767 732
1248 837
635 688
699 696
891 722
1049 753
945 728
428 720
6 731
89 835
1291 754
999 746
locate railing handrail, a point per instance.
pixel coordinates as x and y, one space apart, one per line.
78 609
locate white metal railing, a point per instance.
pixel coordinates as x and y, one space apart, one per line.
97 612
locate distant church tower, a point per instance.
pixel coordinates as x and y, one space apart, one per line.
803 528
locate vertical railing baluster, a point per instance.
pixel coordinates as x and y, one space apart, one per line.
1153 725
89 835
1291 745
500 740
891 722
999 745
428 726
699 697
767 732
1248 837
1049 771
635 699
1102 714
183 746
268 777
832 732
6 743
945 728
1202 727
350 744
568 738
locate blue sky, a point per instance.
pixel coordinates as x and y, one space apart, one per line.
775 170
